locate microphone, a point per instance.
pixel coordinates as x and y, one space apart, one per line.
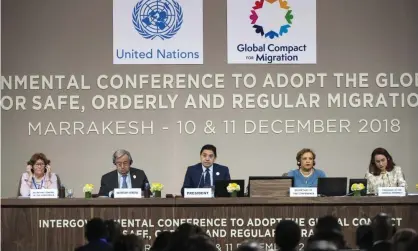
200 180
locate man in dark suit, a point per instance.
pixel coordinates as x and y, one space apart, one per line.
124 176
205 173
95 234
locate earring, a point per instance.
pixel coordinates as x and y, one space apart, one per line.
298 163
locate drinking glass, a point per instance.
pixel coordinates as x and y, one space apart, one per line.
69 192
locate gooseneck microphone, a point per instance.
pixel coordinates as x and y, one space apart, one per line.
200 180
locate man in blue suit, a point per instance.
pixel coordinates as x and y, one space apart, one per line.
205 173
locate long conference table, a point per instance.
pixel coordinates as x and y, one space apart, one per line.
58 224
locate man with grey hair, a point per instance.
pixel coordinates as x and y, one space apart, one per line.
124 176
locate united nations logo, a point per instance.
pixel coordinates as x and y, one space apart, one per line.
157 18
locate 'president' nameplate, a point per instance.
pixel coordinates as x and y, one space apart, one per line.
44 193
303 192
198 193
127 193
391 191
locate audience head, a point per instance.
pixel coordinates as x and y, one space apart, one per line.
321 245
208 155
129 243
114 231
402 239
250 246
95 230
413 245
181 235
382 246
381 161
187 230
327 223
328 229
122 160
364 237
382 227
38 162
199 242
306 159
162 241
287 235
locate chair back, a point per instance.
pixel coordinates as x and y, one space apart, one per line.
18 186
58 181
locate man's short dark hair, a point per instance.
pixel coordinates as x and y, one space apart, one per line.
95 229
327 223
209 147
364 237
287 235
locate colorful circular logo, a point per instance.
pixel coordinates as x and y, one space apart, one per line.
272 34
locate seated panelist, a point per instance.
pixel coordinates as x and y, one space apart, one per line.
205 173
383 172
38 175
124 176
306 175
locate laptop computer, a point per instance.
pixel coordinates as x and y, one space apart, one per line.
221 185
358 181
331 186
255 178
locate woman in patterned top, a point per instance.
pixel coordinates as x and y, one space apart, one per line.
383 172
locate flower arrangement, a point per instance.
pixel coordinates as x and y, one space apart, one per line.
233 189
357 188
156 189
88 189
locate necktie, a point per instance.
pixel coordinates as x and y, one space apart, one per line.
207 178
124 184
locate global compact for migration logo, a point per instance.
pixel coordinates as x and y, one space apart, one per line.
157 32
274 35
259 29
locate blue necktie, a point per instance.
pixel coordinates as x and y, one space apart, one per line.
124 184
207 178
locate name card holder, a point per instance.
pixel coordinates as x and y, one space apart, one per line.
303 192
44 193
198 193
127 193
391 191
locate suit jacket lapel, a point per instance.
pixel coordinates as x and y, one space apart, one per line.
115 180
134 181
215 170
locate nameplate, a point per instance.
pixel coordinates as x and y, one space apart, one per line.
127 193
198 193
391 191
303 192
44 193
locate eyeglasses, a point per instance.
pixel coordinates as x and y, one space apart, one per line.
125 163
39 164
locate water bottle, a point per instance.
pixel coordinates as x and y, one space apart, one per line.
147 191
61 192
